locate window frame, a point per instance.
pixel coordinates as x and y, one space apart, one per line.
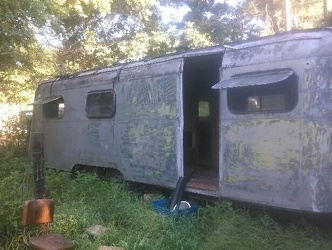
288 87
100 115
47 104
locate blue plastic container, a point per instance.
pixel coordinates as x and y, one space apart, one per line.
160 207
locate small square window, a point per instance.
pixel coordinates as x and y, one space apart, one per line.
100 104
54 109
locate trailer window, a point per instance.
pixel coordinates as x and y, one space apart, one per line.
100 104
274 97
54 109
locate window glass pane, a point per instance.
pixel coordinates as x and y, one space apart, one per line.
100 104
203 109
61 109
54 109
275 97
273 102
92 104
254 103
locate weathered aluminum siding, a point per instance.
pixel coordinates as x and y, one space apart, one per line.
150 123
144 138
317 133
281 159
75 139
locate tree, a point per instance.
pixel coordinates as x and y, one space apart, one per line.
19 20
39 39
18 46
18 82
87 34
328 20
95 33
270 15
216 22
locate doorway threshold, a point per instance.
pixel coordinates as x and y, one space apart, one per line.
204 179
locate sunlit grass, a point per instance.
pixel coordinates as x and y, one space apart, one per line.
131 222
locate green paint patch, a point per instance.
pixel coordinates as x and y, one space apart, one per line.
165 110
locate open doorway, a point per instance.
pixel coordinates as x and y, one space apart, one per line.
201 121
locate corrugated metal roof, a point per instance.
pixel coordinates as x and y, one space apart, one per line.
261 78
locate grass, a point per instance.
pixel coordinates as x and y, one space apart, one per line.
131 222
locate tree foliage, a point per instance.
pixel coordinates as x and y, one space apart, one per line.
270 15
19 21
20 53
40 39
96 33
217 22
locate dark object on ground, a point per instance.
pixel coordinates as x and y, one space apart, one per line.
177 194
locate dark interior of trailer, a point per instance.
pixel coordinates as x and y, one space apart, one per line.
201 121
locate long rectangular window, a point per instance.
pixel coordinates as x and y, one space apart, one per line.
100 104
272 97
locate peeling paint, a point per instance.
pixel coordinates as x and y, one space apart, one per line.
93 133
147 148
307 78
166 110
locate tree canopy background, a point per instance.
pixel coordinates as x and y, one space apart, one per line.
41 39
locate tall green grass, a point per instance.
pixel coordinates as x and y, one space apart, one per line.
15 186
131 222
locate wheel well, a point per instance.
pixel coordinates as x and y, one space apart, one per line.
104 173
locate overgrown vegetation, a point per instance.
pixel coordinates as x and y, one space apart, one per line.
131 222
15 134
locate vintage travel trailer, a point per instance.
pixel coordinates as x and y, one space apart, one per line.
251 121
